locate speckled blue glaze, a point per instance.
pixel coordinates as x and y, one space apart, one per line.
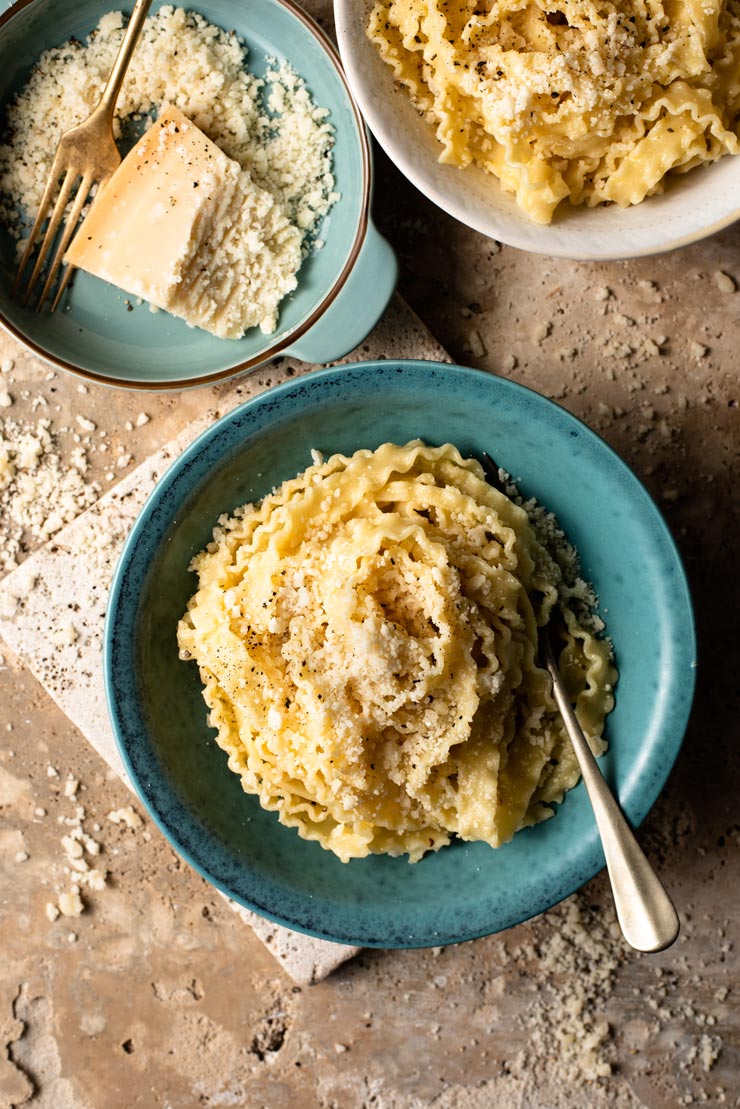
158 715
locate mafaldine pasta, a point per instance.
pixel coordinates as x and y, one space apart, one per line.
570 99
367 642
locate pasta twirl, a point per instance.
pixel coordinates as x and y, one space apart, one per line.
367 641
593 102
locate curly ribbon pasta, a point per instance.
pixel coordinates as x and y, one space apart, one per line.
367 641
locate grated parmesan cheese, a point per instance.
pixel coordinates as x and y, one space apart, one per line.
38 495
724 282
127 816
269 125
70 904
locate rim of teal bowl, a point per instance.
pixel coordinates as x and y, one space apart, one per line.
134 561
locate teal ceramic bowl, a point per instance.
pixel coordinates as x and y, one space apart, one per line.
159 717
343 288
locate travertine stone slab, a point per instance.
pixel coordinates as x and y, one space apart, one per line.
64 585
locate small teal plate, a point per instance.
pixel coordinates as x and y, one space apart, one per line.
342 290
465 890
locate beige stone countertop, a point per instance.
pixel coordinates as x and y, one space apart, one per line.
159 996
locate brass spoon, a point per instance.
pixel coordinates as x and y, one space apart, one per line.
646 914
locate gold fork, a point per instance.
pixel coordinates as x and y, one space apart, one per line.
87 151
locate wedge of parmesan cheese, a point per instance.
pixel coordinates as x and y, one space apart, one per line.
186 228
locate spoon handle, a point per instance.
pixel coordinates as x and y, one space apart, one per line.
646 914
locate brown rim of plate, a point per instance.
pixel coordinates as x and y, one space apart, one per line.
271 352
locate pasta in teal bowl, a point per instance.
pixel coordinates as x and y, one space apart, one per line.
464 889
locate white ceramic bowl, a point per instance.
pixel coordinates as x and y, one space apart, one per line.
694 205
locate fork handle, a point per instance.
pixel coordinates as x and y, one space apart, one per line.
109 99
646 914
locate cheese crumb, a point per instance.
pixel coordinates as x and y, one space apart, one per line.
127 816
710 1048
64 636
70 904
96 879
476 344
72 847
724 282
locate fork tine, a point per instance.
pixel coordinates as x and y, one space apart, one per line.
66 275
69 228
51 184
68 269
51 231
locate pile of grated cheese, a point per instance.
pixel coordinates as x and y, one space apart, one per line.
270 126
83 871
38 494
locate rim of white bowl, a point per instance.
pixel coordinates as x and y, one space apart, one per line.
383 123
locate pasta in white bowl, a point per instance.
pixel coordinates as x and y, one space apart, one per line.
578 130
